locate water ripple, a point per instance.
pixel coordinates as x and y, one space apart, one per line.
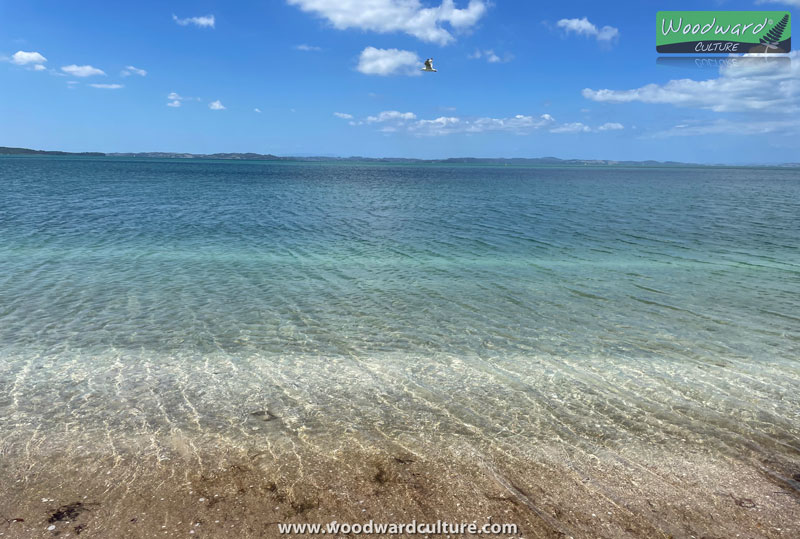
170 300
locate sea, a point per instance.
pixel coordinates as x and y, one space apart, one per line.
260 303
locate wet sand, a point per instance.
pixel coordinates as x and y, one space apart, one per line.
548 491
137 448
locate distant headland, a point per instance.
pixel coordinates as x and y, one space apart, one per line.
249 156
4 150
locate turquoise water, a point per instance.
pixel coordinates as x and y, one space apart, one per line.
594 306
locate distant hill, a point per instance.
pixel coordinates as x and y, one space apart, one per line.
452 160
170 155
25 151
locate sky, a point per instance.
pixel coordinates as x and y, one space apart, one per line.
343 78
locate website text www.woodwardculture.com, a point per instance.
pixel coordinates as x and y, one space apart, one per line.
407 528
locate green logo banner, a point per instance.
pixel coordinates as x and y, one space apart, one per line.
723 32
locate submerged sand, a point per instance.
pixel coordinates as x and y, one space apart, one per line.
222 448
547 491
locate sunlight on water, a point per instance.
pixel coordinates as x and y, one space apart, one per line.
260 303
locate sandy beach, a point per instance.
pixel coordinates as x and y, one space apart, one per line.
227 492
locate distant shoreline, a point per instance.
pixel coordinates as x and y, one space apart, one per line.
450 160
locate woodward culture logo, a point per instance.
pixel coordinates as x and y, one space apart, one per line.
724 32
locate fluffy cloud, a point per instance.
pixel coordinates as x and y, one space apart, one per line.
736 128
216 105
22 58
752 95
130 70
611 126
107 86
82 71
343 115
574 127
446 125
391 121
175 99
579 127
307 48
490 56
408 16
749 84
586 28
258 110
391 115
388 62
206 21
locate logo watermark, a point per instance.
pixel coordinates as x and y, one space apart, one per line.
723 32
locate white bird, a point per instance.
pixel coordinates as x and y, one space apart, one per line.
429 66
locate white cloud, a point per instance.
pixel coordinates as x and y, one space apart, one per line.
611 126
394 121
130 70
258 110
584 27
733 128
389 115
206 21
752 95
22 58
490 56
746 84
175 99
574 127
445 125
107 86
343 115
82 71
216 105
307 48
580 127
408 16
39 67
388 62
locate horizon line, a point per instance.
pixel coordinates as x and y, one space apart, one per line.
16 150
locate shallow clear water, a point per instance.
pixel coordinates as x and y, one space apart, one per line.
595 307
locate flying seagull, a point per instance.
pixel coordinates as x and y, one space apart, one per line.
429 65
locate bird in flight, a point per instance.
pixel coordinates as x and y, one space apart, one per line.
429 65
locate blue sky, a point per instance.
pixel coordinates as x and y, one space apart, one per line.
331 77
